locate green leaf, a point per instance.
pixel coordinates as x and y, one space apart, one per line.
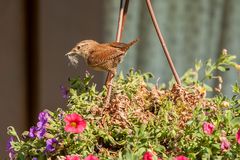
235 122
198 65
221 68
21 157
228 115
140 151
236 88
217 146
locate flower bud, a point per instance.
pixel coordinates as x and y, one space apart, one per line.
225 104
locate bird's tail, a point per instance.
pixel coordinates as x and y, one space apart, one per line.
133 42
123 46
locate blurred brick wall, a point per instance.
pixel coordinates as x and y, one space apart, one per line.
35 35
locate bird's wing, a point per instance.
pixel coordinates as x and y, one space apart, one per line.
118 44
102 55
122 46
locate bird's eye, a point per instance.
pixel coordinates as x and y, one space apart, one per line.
78 47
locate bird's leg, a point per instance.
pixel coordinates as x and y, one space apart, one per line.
121 21
109 81
113 73
110 76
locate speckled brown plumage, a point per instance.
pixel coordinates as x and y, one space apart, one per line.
103 57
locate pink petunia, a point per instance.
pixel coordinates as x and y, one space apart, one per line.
225 144
208 128
148 156
72 158
238 136
91 157
180 158
74 123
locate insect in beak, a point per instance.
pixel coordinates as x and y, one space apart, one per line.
69 53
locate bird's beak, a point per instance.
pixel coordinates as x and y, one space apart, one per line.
69 53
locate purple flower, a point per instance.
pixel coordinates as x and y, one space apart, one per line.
32 132
60 116
36 132
34 158
41 132
51 144
41 124
10 150
9 146
43 117
64 92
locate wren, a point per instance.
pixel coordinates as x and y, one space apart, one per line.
100 56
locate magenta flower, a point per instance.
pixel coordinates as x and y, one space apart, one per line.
208 128
180 158
225 144
74 123
91 157
238 136
148 156
75 157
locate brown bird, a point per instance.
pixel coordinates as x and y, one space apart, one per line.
104 57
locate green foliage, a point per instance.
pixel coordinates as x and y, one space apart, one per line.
141 118
209 70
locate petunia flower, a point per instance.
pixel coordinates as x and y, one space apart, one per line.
36 132
91 157
75 157
32 132
61 115
208 128
74 123
148 156
180 158
40 133
225 144
64 92
238 136
40 130
41 124
43 116
43 119
10 150
51 144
